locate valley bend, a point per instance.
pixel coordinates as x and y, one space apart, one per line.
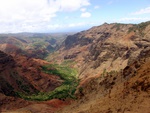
76 56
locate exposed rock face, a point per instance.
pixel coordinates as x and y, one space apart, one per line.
109 46
76 39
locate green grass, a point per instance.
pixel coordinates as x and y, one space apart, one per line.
66 90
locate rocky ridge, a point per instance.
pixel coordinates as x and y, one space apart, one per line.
106 47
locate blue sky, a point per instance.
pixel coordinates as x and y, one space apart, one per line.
68 15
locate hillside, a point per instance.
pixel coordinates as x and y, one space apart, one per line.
20 75
113 60
127 91
106 47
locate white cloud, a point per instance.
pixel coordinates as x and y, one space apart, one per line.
71 5
83 9
86 15
34 15
134 19
55 26
142 11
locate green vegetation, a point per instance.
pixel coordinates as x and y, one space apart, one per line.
118 26
66 90
132 28
110 73
143 25
40 44
22 86
140 27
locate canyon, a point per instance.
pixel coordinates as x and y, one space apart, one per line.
105 69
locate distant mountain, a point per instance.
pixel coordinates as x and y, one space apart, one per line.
35 45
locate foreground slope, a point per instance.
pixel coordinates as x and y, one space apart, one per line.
36 80
21 75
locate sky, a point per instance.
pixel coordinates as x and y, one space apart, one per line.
47 16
